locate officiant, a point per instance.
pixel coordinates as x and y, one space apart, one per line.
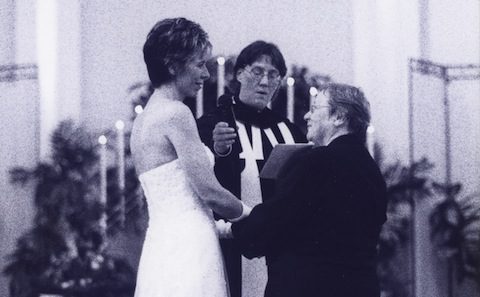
242 132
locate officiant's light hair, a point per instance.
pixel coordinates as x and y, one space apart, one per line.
172 43
351 103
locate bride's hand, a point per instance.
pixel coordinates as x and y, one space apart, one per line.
245 213
224 229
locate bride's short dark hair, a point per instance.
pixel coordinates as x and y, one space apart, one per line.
172 41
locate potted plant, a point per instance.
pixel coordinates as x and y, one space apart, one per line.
64 252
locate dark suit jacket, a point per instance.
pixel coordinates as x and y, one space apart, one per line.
320 231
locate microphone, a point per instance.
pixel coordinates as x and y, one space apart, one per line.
225 108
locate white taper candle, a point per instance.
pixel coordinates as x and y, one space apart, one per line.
220 76
120 125
371 140
199 103
290 97
102 140
313 93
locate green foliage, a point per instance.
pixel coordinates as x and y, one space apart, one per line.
455 230
455 225
405 185
65 250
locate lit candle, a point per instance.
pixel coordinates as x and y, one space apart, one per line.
120 125
200 103
370 140
220 76
102 140
313 94
138 109
290 97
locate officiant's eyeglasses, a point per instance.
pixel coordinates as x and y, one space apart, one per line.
258 73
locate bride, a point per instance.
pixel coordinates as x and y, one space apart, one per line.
181 255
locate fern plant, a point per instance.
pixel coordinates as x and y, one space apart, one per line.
405 186
455 231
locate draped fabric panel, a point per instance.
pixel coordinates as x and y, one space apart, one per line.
19 146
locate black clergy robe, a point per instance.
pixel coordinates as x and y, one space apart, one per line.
258 132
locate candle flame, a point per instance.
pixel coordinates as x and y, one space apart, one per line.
138 109
290 81
221 60
120 125
313 91
102 139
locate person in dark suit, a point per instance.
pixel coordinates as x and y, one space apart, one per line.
321 229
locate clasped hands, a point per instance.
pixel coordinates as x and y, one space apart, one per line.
224 228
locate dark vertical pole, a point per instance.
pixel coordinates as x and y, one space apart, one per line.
448 150
448 164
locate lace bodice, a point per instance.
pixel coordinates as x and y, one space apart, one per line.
168 190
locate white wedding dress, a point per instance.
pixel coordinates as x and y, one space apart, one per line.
181 255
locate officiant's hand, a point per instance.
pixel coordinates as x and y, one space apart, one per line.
223 138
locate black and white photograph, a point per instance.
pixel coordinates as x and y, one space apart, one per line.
254 148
